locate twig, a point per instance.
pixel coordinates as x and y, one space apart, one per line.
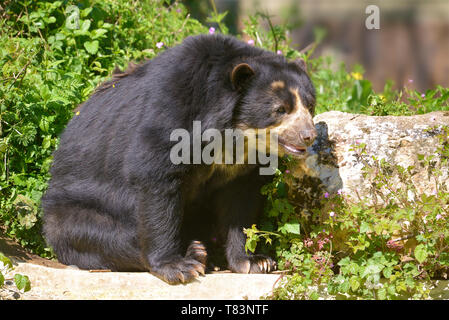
276 41
277 280
184 23
404 238
212 2
21 71
12 127
307 48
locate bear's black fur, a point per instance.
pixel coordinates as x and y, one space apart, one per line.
116 201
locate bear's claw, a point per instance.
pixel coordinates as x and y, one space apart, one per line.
179 271
197 251
257 263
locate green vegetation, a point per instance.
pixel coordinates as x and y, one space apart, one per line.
54 54
22 282
52 57
358 249
362 249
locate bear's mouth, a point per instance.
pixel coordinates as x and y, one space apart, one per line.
300 151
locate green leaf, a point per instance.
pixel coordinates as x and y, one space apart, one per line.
91 46
291 227
85 12
364 227
282 190
5 260
22 282
314 296
19 180
344 287
251 244
421 253
387 272
85 25
372 269
355 283
46 143
50 20
98 33
343 262
382 294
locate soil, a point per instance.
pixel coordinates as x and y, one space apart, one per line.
16 253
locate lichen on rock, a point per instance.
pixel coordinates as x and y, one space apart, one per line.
335 163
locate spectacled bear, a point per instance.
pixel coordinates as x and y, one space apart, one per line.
116 201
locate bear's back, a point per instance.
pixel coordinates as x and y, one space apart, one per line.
184 83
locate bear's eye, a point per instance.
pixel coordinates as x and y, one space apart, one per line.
281 110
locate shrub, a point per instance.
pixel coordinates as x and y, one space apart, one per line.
21 282
53 54
386 249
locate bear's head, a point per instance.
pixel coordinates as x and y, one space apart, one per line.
278 96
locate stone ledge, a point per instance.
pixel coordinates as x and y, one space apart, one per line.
72 284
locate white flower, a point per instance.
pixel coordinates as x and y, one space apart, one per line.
410 195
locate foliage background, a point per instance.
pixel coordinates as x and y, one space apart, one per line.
48 67
51 63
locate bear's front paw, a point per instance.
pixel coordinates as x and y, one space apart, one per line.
257 263
181 270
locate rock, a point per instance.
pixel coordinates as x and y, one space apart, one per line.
49 283
51 280
334 164
68 284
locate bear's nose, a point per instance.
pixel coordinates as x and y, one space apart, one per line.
308 136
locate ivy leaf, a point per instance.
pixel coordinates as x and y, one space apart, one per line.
372 269
355 284
290 227
5 261
91 46
251 245
22 282
364 227
382 294
421 253
344 287
387 272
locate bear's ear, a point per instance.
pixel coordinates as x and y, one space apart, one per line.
301 64
240 75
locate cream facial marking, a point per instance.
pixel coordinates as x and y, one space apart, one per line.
279 84
299 114
299 106
297 130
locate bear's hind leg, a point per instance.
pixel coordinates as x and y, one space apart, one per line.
91 240
239 205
